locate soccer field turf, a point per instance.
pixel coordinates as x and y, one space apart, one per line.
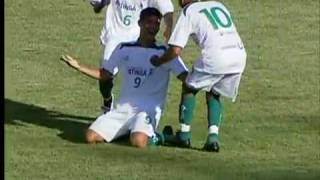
271 132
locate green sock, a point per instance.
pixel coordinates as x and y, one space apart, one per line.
186 115
214 115
186 109
184 136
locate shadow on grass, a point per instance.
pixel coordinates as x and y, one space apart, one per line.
72 127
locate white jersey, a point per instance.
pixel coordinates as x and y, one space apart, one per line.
122 17
211 26
143 85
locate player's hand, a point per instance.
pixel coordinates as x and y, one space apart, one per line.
154 60
70 61
98 5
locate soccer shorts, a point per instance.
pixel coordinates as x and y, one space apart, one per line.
225 84
123 120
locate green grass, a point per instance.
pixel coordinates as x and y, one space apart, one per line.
271 132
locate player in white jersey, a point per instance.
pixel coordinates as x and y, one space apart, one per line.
217 71
143 90
121 26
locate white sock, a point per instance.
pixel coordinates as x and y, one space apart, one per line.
213 129
185 127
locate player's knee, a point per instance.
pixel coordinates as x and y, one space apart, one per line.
188 90
139 140
92 137
214 95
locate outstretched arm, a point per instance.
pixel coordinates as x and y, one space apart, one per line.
96 73
169 55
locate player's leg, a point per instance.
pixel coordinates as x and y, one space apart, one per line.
186 109
139 139
227 86
108 127
105 87
215 108
143 132
93 137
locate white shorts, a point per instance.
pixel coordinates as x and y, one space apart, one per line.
224 84
123 120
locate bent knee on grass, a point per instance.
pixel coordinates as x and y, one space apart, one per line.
139 140
92 137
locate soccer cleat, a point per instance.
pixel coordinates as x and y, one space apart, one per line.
167 131
169 138
156 140
183 139
212 144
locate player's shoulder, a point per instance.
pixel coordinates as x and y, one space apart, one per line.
136 44
188 7
128 44
195 5
160 46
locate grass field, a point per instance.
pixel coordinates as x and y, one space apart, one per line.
271 132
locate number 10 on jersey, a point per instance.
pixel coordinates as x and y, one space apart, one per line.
215 19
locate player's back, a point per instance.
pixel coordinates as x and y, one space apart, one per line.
122 17
215 32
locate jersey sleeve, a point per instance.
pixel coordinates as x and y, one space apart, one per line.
181 32
164 6
176 66
113 63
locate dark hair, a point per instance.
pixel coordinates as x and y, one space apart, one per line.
150 11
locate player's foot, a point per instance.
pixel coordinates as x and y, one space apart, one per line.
183 139
212 147
105 109
169 137
156 140
212 144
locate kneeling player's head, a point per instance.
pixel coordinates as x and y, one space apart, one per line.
149 22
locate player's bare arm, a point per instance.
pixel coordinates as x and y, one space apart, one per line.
169 55
96 73
168 20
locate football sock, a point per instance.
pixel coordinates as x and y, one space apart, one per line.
105 88
186 112
214 117
107 102
186 115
